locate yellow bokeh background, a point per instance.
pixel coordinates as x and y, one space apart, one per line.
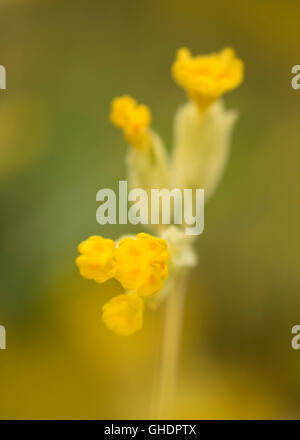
65 61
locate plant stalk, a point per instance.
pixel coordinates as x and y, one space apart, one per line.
167 376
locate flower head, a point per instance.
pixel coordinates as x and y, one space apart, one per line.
96 262
133 119
142 264
124 313
206 77
201 147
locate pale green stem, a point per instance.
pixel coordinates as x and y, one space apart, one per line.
167 379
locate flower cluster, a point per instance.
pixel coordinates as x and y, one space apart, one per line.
140 265
202 132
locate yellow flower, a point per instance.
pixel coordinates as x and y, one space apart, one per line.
123 314
141 264
133 119
206 77
96 262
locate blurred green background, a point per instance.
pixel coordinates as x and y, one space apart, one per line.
65 61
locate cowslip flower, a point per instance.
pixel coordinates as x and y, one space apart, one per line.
142 264
153 270
133 119
203 126
147 161
123 314
207 77
96 259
